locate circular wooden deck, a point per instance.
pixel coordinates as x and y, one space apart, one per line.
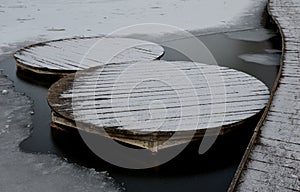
60 57
144 102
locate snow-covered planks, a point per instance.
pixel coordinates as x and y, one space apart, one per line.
272 161
145 102
61 57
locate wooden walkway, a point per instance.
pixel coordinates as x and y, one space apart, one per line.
64 56
145 103
272 160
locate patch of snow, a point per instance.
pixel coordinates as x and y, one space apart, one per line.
23 172
44 19
4 92
295 176
263 59
256 35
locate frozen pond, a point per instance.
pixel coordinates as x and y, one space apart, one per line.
24 21
192 177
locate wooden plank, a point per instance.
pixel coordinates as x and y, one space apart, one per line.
272 161
64 56
191 97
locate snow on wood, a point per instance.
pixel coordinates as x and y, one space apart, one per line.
61 57
272 162
156 97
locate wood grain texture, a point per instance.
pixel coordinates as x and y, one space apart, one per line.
60 57
156 98
272 161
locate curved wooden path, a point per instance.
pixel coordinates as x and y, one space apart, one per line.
141 103
61 57
272 160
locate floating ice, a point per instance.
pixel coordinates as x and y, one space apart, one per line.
263 59
256 35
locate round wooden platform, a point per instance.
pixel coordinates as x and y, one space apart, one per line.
145 102
64 56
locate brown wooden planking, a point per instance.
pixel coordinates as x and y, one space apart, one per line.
272 161
63 106
61 57
154 141
246 96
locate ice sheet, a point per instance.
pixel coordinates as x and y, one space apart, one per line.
22 20
23 172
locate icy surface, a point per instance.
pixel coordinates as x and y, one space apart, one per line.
256 35
263 59
81 56
23 172
29 20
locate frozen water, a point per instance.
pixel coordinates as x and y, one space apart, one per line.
263 59
29 20
23 172
256 35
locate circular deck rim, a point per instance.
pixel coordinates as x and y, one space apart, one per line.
61 73
53 93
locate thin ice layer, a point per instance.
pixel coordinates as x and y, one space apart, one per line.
23 172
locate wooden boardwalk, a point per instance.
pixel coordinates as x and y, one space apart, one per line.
145 103
64 56
272 160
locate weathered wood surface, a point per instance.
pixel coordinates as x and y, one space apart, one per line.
61 57
137 101
272 161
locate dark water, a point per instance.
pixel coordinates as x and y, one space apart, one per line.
189 171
